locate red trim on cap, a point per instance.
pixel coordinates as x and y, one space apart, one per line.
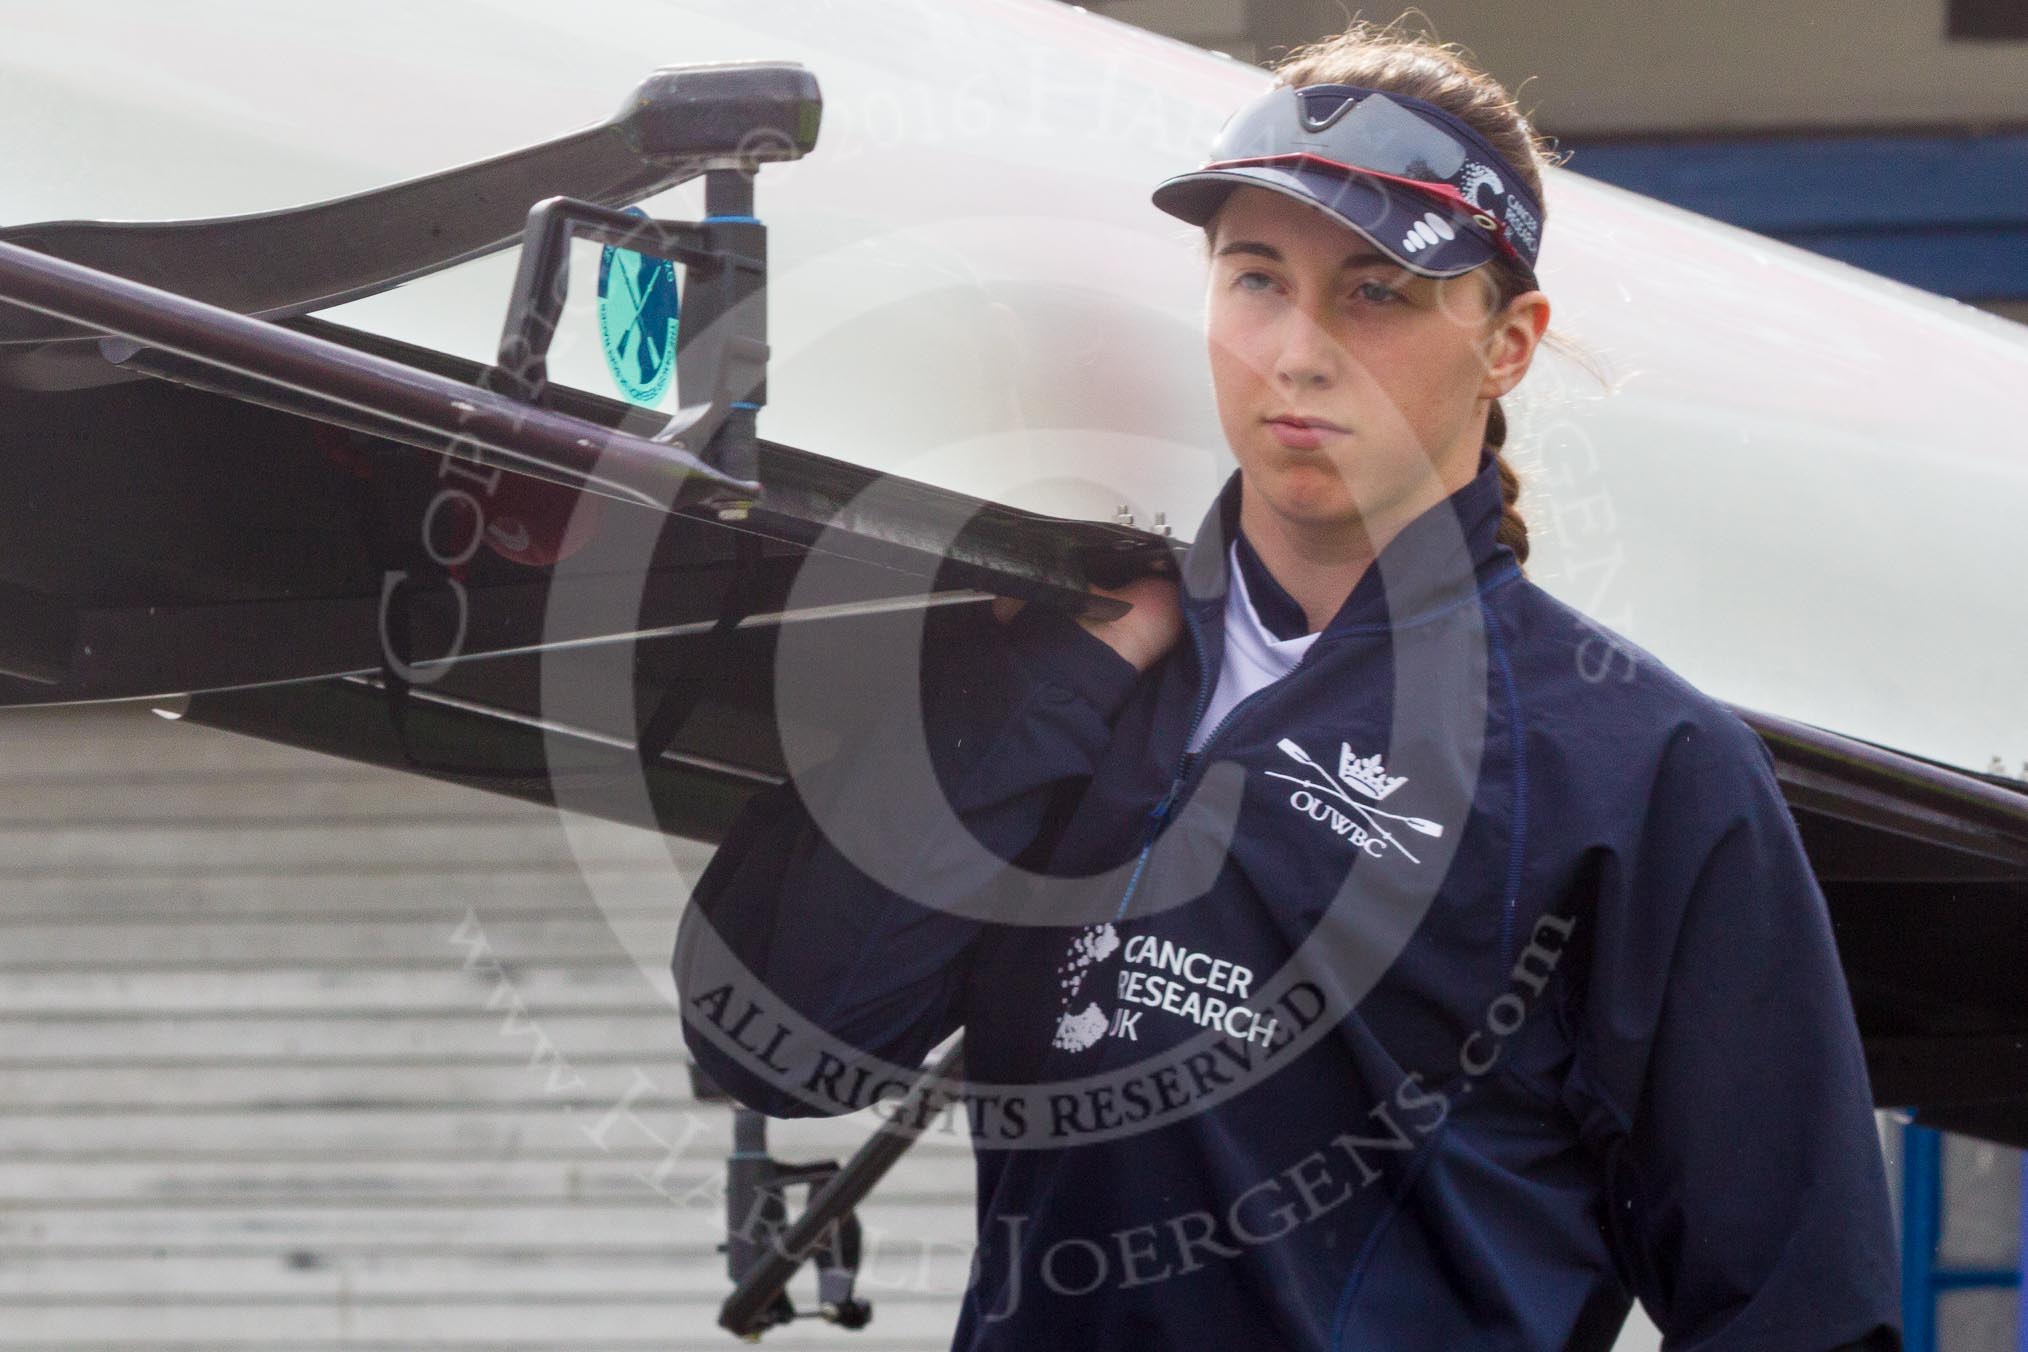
1444 192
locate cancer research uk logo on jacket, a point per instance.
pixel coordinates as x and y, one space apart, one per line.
1171 979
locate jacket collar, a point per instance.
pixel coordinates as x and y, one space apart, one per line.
1280 614
1440 558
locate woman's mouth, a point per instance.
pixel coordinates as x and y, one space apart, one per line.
1301 433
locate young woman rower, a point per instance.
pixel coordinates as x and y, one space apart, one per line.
1371 950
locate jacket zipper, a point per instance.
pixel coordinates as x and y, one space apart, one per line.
1206 682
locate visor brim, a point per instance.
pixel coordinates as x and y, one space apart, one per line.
1408 228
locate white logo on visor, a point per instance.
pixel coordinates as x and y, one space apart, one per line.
1521 221
1427 233
1477 176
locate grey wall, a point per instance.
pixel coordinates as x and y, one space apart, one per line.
296 1054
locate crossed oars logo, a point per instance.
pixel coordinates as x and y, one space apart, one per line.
1332 786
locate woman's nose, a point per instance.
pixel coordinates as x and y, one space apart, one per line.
1308 355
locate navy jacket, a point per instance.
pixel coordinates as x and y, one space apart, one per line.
1469 984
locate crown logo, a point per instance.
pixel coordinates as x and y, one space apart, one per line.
1367 776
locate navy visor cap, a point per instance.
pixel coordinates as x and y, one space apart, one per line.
1413 180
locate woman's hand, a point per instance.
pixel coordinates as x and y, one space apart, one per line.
1141 635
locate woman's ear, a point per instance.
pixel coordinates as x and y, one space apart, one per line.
1512 335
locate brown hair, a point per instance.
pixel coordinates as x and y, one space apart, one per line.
1394 60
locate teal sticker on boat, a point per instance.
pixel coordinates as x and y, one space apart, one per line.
637 319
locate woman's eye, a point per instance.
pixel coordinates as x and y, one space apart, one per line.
1370 291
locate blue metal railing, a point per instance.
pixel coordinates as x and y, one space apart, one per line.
1922 1280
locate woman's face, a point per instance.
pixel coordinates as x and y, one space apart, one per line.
1305 319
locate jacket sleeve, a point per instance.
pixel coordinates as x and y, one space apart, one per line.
1745 1188
1015 717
